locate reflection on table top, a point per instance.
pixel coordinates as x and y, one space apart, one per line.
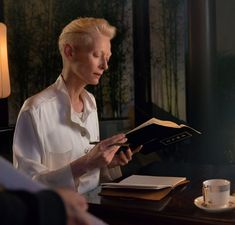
177 208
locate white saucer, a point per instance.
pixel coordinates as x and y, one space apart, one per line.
200 204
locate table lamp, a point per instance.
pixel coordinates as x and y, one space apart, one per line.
4 77
4 70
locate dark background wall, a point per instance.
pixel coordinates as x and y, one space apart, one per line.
210 82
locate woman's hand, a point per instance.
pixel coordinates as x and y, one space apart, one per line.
103 153
123 157
76 207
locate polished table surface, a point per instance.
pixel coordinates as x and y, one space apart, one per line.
176 208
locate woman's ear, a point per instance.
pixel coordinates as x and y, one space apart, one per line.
68 51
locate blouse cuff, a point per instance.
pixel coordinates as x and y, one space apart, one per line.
59 178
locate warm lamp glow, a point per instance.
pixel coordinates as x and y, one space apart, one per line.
4 70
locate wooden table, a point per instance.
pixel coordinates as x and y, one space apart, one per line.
177 208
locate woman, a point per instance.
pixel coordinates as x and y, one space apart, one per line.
55 127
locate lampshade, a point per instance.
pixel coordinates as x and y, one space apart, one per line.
4 70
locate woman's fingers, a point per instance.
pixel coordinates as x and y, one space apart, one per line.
116 139
137 149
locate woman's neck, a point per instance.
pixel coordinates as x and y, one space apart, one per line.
74 90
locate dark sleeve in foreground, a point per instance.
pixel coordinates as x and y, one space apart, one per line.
25 208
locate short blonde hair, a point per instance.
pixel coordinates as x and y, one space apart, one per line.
80 30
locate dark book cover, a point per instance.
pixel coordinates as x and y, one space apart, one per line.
161 133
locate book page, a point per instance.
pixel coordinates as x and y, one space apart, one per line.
196 131
146 182
165 123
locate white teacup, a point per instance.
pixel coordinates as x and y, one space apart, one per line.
216 192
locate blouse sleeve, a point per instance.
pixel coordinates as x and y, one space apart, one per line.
28 154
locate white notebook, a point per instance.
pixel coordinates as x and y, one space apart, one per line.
146 182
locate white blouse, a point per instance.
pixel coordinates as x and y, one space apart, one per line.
49 135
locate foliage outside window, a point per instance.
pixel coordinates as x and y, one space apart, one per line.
33 30
168 28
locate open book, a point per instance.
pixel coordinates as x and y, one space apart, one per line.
160 132
145 182
143 187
